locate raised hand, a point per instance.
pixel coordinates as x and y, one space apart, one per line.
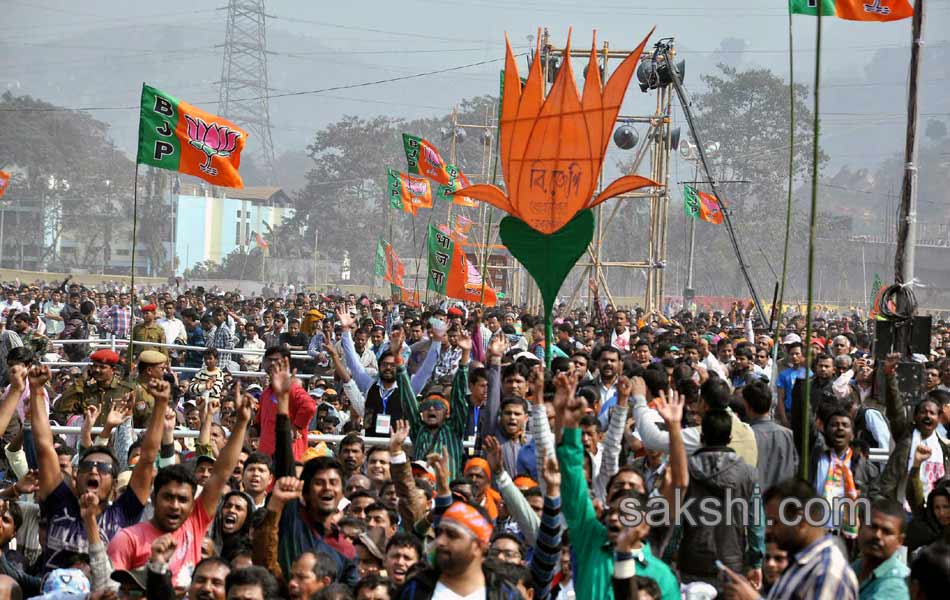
565 387
396 339
29 483
921 454
243 404
90 414
398 436
638 387
624 390
119 411
493 455
551 472
285 490
498 346
18 376
163 548
890 363
671 410
536 384
39 376
465 341
89 506
160 389
440 464
346 321
280 377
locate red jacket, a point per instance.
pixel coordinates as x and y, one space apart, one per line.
302 409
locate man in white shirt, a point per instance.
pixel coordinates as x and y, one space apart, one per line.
51 313
175 332
620 336
11 305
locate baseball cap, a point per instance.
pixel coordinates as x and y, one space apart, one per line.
792 338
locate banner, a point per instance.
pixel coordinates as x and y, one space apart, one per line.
404 295
425 160
4 182
177 136
855 10
450 272
408 192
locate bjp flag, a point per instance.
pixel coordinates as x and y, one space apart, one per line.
177 136
4 182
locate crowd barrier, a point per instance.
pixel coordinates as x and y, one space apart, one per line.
191 433
120 344
876 455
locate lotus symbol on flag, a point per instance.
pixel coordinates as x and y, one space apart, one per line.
213 140
552 150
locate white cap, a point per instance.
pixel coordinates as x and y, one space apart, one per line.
791 338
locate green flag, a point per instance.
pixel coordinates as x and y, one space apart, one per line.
810 7
441 248
379 265
690 202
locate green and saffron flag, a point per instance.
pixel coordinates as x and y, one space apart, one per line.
177 136
408 192
450 272
701 205
855 10
425 160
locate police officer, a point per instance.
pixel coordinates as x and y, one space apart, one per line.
151 367
148 331
100 385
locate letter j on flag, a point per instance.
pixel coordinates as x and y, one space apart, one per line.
177 136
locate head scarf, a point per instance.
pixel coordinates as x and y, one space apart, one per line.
468 518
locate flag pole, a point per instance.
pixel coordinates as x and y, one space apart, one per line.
907 216
135 222
812 220
788 203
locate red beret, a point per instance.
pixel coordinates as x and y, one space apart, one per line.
110 357
455 312
150 307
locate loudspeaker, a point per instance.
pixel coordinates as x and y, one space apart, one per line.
884 337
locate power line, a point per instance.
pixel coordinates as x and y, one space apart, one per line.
272 96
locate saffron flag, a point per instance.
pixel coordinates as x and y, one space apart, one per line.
388 264
458 181
450 272
260 241
177 136
701 205
4 182
877 292
855 10
425 160
408 192
404 295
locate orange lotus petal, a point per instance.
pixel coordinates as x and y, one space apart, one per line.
593 102
617 86
625 184
490 194
531 101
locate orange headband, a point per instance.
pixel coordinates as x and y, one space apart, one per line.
438 398
480 463
467 517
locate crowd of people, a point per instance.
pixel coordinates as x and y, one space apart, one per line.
202 445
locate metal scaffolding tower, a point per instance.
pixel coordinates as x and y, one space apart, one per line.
244 87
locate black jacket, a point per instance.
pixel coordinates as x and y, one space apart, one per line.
422 586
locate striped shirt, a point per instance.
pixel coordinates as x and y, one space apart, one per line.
819 571
547 550
452 431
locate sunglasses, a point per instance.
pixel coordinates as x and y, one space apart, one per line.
104 468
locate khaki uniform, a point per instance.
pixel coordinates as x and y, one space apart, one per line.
148 333
85 392
142 404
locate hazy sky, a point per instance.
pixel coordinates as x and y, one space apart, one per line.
319 44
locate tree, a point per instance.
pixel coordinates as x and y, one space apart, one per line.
345 197
68 177
747 113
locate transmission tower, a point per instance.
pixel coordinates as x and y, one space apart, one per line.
244 87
